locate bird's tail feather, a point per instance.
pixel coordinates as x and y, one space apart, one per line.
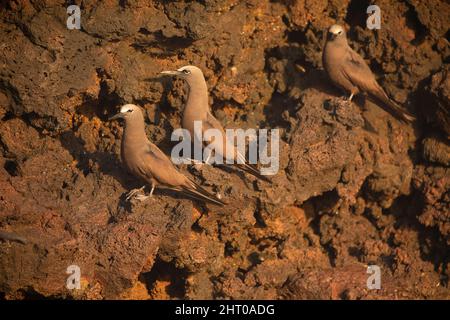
197 192
393 108
253 170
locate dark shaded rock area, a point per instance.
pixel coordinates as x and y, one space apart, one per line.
355 187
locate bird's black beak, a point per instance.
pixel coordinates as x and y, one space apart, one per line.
331 36
116 116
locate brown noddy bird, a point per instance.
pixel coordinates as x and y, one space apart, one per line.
197 109
348 70
146 161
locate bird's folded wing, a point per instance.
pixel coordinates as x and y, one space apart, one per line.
160 166
356 70
227 147
212 123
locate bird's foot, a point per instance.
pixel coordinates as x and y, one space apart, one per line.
135 193
197 164
142 197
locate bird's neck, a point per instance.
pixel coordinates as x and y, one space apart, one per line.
339 43
134 130
197 100
333 52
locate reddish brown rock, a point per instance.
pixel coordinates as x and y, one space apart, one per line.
355 186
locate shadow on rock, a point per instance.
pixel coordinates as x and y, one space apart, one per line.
107 162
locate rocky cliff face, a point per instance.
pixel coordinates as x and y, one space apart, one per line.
354 188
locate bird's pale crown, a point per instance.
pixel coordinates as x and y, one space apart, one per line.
336 29
128 107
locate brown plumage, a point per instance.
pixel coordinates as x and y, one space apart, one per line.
148 162
197 109
351 73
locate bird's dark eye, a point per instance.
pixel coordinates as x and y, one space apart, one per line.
130 110
186 71
340 32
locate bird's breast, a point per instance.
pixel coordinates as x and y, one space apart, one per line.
332 59
132 158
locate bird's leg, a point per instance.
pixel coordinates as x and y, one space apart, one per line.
195 162
354 91
334 112
153 188
207 159
133 192
199 164
143 197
